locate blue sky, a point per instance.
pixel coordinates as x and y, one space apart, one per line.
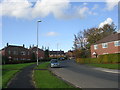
59 22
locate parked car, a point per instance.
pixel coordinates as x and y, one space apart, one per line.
54 63
61 58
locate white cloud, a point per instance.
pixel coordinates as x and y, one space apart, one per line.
15 8
42 8
107 21
24 9
110 4
83 11
118 31
51 34
45 7
85 4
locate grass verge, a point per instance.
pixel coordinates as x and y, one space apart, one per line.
45 79
8 72
109 66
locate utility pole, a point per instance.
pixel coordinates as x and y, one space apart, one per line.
37 39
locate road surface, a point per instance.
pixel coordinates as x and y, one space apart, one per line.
83 76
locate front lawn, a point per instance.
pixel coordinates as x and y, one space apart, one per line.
45 79
9 70
109 66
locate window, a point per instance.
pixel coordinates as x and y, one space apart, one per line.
15 52
117 43
9 52
104 45
95 46
28 53
23 53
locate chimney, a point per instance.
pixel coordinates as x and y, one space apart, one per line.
7 44
30 46
23 45
33 45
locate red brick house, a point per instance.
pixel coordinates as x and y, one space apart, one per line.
69 54
40 52
56 54
107 45
13 52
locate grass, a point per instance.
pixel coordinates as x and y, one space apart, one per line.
43 66
45 79
109 66
8 72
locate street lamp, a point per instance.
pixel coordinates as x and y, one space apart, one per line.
37 39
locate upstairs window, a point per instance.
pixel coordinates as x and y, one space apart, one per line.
9 52
23 53
116 43
15 53
104 45
95 47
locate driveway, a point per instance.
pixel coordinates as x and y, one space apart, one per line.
83 76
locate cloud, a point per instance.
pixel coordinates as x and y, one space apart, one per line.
51 34
45 7
83 11
107 21
15 8
60 9
110 4
26 9
118 31
85 4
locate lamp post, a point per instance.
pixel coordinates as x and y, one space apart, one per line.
37 39
57 50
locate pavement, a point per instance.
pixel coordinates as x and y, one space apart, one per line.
23 79
83 76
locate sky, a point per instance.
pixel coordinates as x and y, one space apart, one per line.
60 21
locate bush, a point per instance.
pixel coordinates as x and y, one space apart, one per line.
107 58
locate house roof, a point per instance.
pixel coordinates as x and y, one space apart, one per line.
13 47
56 52
112 37
35 48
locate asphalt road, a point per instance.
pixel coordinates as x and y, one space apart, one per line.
85 76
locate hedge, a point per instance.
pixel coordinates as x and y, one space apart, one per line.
107 58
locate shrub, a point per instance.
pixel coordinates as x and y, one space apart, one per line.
107 58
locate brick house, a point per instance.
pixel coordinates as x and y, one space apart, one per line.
107 45
56 54
13 52
40 52
69 54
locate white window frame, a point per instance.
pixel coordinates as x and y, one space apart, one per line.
9 52
104 44
95 47
117 43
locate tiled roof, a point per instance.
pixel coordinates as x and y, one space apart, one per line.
35 48
112 37
14 46
56 52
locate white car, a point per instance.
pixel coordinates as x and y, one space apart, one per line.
55 63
